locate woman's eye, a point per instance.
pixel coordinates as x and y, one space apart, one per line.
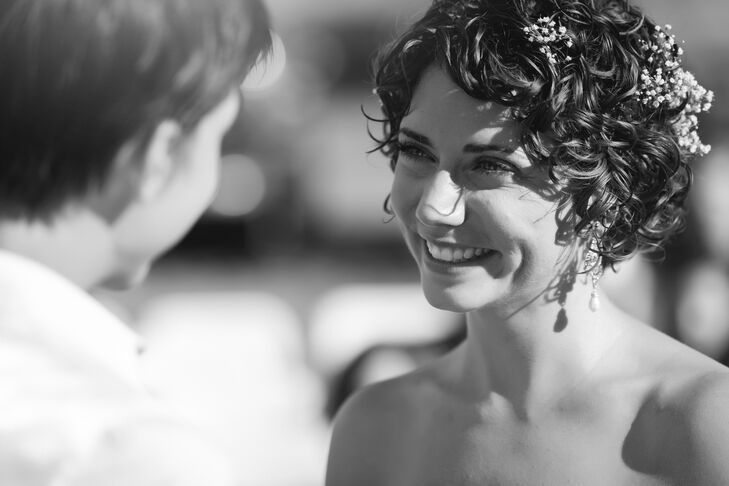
492 165
412 152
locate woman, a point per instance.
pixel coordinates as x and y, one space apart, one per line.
535 144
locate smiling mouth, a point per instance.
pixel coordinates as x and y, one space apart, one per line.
455 255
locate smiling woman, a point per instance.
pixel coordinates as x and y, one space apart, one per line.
458 156
534 145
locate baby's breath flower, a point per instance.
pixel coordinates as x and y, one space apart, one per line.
664 84
550 35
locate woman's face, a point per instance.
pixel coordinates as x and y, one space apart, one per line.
478 217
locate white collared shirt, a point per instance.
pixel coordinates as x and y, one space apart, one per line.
73 409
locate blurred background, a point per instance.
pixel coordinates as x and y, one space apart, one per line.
294 290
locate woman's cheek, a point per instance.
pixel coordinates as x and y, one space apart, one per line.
404 195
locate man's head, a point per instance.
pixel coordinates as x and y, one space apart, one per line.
81 78
120 105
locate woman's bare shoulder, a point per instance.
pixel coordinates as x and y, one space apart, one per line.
704 406
694 421
681 430
372 425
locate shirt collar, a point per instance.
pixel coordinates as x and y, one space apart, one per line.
41 305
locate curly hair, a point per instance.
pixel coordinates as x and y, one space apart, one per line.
618 160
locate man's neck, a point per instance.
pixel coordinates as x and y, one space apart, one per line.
75 244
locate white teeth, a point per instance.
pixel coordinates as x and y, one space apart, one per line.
454 255
446 254
432 249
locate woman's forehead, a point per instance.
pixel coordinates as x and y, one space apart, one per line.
440 109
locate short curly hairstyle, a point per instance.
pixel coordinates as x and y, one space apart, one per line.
617 158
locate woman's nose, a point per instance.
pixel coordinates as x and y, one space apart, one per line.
441 202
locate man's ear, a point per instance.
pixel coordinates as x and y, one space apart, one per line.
158 159
139 173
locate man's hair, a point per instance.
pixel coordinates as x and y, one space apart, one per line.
80 78
619 159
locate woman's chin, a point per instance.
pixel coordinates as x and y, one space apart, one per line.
453 299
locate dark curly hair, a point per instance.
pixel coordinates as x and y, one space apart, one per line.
618 160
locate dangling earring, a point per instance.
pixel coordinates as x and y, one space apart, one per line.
593 267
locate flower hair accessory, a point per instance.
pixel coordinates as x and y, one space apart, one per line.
665 84
547 33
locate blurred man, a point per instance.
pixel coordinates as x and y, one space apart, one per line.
112 114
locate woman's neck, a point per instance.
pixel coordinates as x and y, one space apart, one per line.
539 353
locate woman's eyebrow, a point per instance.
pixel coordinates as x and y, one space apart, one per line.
415 136
476 148
471 148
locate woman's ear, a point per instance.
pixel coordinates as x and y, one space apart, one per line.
158 159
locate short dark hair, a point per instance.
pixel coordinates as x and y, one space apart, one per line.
619 160
80 78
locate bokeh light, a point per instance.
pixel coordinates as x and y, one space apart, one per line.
242 187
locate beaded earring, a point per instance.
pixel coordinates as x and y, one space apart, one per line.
593 267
